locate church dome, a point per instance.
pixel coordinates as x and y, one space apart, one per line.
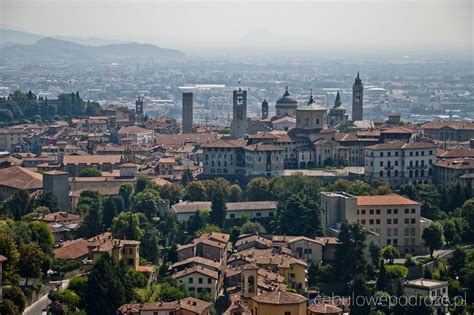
286 99
313 106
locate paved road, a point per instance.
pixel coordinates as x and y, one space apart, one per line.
39 307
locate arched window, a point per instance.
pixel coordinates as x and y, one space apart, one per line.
251 284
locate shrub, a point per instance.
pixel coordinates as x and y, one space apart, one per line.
396 271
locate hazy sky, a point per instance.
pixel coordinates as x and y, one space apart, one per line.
431 26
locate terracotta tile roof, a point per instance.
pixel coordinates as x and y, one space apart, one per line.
92 159
194 305
457 153
384 200
133 129
396 129
324 309
437 124
20 178
263 147
178 140
197 269
196 260
280 297
73 249
459 164
253 239
225 143
400 145
60 216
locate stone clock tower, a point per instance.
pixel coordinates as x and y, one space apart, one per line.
357 99
239 118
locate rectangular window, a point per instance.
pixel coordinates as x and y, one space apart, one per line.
407 211
209 281
413 210
190 280
371 211
395 221
363 211
377 211
377 221
371 221
389 221
389 211
363 222
413 221
200 280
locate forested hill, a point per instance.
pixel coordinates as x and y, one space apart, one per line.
20 107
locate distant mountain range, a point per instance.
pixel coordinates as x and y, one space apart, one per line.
18 46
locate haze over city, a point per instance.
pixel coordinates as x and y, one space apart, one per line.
275 27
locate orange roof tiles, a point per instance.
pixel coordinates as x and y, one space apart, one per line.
384 200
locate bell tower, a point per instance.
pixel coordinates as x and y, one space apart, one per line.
264 109
239 109
139 109
357 99
249 280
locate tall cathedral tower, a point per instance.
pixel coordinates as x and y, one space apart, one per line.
264 109
139 109
239 118
357 99
187 113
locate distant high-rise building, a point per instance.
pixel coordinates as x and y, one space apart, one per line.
239 118
357 99
187 114
264 109
139 109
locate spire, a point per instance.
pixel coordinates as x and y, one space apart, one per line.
358 80
338 100
286 91
311 100
240 88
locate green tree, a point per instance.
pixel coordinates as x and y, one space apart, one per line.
31 261
7 307
92 223
433 237
118 203
195 191
172 192
9 250
109 212
90 172
258 189
126 225
298 215
218 208
375 253
18 205
252 227
149 247
142 184
126 191
47 199
235 193
147 202
197 222
390 253
467 212
42 235
350 257
105 290
360 291
187 177
382 276
16 295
